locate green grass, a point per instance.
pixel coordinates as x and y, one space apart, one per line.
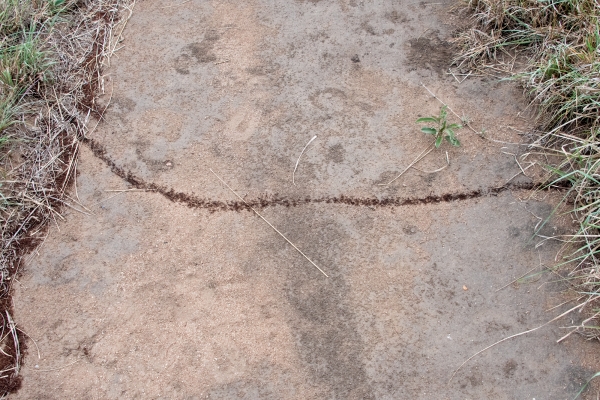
24 59
552 48
557 47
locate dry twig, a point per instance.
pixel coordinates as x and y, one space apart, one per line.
263 218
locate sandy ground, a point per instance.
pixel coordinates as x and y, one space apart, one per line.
146 298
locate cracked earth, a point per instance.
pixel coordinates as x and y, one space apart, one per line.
165 285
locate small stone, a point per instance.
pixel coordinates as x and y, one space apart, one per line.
465 288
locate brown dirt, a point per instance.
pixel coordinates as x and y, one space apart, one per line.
142 296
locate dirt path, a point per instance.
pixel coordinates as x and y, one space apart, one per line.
150 298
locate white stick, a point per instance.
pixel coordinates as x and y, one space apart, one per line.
263 218
297 161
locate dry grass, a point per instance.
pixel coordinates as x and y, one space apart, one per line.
552 47
51 57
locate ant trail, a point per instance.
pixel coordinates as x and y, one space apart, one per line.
214 205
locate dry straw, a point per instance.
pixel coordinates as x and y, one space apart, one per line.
552 48
51 57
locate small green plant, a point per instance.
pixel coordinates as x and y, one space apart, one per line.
441 129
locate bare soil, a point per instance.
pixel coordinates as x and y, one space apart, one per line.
173 289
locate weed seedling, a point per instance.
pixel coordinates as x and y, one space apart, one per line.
441 128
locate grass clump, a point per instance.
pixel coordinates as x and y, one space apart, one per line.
24 57
557 43
552 47
51 55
